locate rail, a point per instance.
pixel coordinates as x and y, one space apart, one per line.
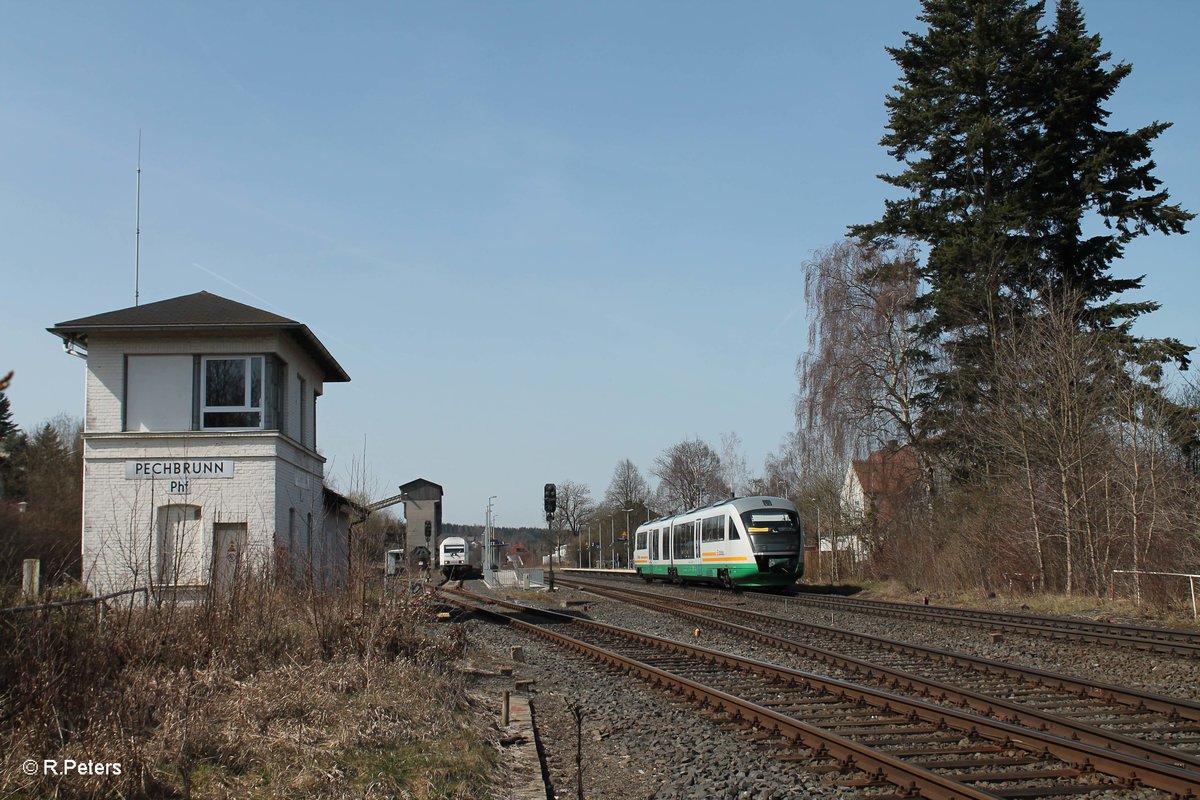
1146 708
777 706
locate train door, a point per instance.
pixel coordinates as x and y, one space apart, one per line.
669 548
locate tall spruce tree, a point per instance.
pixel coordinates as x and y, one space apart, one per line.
999 125
1085 172
7 425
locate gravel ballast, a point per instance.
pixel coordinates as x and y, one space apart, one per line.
637 742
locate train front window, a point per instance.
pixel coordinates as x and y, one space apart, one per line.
773 530
771 521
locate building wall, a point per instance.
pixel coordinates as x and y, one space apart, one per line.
275 491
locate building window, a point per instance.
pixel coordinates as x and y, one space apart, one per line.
232 392
303 409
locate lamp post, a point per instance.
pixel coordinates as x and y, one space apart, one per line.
488 556
832 544
627 537
612 541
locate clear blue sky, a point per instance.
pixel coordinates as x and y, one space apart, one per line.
582 224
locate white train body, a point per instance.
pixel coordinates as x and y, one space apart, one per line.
459 558
746 541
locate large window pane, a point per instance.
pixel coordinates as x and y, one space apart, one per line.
233 392
225 382
232 419
256 382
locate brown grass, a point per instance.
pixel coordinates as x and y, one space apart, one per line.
1119 609
271 693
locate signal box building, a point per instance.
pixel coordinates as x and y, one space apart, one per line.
200 446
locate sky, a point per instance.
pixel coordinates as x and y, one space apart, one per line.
541 237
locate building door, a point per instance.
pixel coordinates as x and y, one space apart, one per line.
178 542
229 549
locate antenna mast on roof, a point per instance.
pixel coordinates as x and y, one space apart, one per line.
137 227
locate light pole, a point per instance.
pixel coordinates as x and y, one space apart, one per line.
488 556
832 544
589 545
612 541
627 536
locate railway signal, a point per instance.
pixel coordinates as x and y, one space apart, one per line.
550 501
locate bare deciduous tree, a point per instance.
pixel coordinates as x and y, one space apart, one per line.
860 379
575 507
733 463
689 475
627 489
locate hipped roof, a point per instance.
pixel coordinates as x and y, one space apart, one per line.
201 311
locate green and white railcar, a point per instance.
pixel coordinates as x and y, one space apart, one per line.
745 541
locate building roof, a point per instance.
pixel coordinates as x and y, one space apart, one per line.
201 311
885 477
421 488
336 501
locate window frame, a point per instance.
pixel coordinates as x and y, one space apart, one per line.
248 406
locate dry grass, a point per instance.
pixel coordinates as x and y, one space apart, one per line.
270 694
1120 609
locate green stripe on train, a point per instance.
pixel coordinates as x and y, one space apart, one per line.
742 574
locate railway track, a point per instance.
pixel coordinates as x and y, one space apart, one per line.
1148 725
1170 641
1158 640
876 740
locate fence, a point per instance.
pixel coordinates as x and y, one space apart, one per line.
1112 587
79 601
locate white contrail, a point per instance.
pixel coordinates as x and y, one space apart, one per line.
242 289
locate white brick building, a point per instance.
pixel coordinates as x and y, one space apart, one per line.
200 454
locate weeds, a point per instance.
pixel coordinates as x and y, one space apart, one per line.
268 692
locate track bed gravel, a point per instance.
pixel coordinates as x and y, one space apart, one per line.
637 743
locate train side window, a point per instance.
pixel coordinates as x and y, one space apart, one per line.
685 540
713 529
733 531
